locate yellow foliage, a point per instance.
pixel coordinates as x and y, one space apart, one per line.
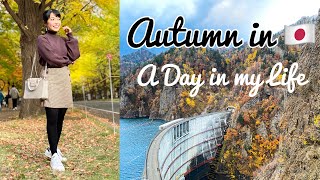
251 58
317 121
253 114
279 77
37 1
262 149
187 69
228 61
231 133
181 103
258 122
190 102
184 94
226 154
210 99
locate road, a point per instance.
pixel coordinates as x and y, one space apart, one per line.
7 114
105 105
101 108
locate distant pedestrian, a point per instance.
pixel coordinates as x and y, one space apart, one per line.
14 93
6 99
1 99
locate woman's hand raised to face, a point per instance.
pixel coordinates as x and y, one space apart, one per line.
66 29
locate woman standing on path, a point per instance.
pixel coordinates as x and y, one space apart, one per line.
57 53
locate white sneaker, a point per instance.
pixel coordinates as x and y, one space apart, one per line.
49 155
55 163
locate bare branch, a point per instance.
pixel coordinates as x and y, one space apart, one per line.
16 18
85 5
42 4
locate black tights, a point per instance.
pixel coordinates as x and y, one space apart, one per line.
55 117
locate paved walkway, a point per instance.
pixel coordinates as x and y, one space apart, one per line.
151 171
8 114
106 105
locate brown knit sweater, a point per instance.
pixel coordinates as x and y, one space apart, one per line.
57 51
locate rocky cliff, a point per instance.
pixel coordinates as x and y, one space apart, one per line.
298 156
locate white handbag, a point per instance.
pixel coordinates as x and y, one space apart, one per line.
36 88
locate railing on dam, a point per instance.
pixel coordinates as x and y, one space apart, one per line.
184 145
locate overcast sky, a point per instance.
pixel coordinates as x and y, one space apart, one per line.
214 14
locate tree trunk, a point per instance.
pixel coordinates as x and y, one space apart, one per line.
31 16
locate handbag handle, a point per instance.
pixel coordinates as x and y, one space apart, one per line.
34 85
35 67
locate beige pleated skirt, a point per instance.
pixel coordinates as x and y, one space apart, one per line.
60 90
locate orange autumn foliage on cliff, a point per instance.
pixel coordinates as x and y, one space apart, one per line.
247 150
261 150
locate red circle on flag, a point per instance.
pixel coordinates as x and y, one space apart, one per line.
299 34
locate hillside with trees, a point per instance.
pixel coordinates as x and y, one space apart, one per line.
132 61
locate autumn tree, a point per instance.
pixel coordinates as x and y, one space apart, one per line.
28 16
10 65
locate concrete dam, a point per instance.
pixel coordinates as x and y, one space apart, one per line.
184 146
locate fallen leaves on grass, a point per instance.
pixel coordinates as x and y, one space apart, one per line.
89 144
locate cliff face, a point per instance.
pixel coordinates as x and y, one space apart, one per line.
298 156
